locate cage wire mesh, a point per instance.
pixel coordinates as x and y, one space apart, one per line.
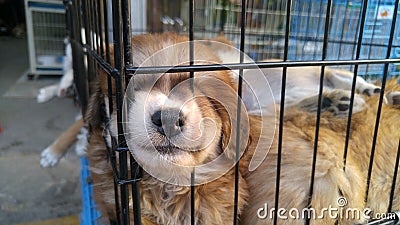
265 29
95 24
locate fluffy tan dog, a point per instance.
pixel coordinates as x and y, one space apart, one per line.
169 133
200 118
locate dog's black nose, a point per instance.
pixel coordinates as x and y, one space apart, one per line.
168 122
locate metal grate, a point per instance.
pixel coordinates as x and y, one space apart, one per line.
349 34
265 29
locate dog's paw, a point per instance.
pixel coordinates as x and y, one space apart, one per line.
393 98
49 158
82 142
369 89
338 102
47 93
335 101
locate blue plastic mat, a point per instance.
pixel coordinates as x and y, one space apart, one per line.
89 214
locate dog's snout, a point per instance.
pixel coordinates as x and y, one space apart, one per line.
168 122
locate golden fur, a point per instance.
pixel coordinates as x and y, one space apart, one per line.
164 203
331 181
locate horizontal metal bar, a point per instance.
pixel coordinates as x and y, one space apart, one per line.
127 181
122 149
236 66
292 37
103 64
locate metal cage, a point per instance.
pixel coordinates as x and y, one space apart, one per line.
353 34
46 33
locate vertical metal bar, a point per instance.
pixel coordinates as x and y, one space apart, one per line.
106 38
126 30
378 114
282 110
136 173
68 21
191 61
99 31
396 168
80 75
118 61
191 38
122 155
90 23
93 24
111 107
135 169
321 83
85 25
192 198
239 110
353 85
223 16
78 34
117 34
92 34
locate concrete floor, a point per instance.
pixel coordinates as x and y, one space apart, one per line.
27 191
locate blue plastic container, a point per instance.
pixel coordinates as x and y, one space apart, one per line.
89 214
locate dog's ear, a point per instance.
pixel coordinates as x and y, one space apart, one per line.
93 114
222 93
229 130
229 138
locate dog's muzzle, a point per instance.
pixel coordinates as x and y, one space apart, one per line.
168 121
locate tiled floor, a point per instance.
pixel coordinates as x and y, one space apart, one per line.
27 191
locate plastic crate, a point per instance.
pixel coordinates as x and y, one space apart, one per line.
89 214
45 21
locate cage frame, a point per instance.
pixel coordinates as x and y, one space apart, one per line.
122 71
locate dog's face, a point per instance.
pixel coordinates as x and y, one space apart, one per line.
171 124
175 122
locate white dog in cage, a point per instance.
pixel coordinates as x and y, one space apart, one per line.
51 155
